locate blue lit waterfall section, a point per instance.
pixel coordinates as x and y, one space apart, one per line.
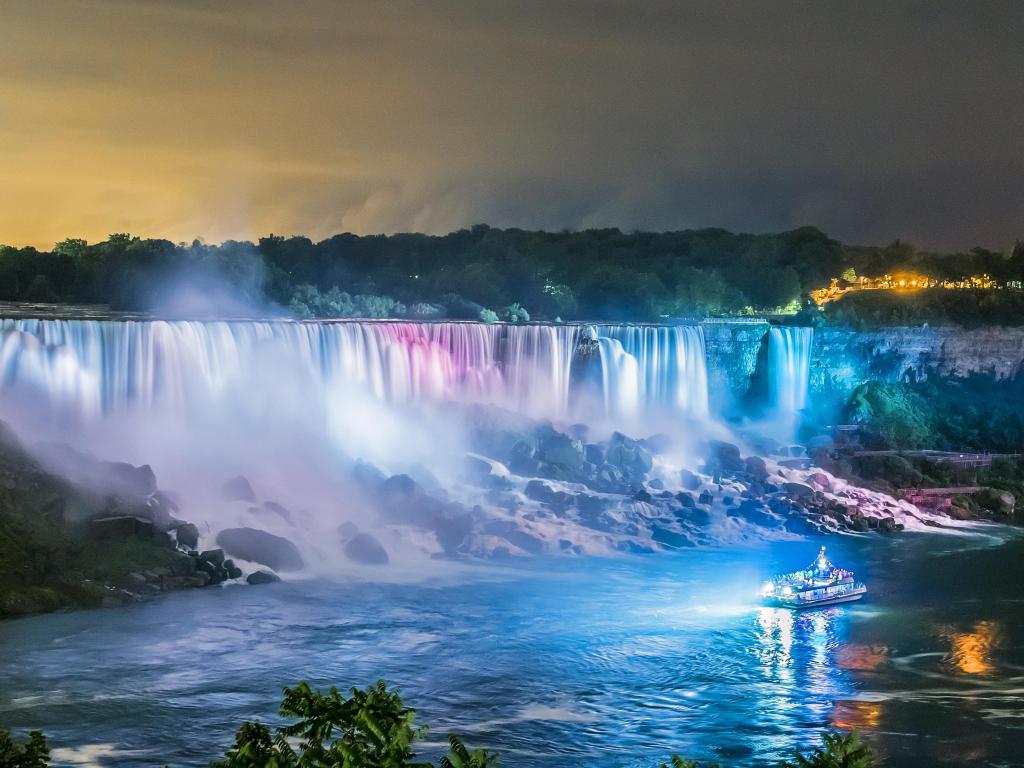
789 365
654 369
94 368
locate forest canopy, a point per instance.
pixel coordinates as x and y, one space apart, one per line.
478 273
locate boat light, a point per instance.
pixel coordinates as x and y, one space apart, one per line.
767 589
787 590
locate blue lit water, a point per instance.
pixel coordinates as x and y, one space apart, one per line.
617 663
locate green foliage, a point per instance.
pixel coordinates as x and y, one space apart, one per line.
460 757
895 411
515 313
677 762
868 310
32 754
255 747
840 750
488 316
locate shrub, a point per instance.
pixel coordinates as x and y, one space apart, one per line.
488 316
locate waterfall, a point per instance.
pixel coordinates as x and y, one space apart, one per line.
789 359
670 366
94 368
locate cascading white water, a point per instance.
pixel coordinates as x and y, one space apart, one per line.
668 372
789 361
92 368
112 366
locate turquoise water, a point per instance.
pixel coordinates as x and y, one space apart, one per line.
562 662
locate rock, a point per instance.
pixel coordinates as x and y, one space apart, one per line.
690 481
723 457
658 444
560 450
347 530
756 468
237 489
706 498
686 499
262 577
187 535
670 538
366 474
700 516
277 509
234 572
453 531
756 513
595 454
127 480
887 525
998 503
642 495
121 527
821 480
476 469
260 547
798 491
629 457
365 549
540 491
214 556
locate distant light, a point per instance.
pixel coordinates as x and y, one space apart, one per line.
787 590
767 589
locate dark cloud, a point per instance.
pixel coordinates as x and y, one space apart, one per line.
872 120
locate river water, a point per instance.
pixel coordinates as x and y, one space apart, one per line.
564 662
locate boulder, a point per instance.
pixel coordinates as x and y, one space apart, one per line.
560 450
888 525
723 457
686 499
658 444
540 491
690 481
187 535
798 491
629 457
214 556
699 516
237 489
277 509
998 503
366 550
670 538
262 577
261 547
706 498
595 454
756 468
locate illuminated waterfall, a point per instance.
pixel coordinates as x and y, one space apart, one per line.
98 367
789 360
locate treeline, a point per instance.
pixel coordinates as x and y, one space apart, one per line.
373 728
968 308
480 272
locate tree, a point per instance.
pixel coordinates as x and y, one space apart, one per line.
33 754
841 750
460 757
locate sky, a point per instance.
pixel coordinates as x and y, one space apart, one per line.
224 119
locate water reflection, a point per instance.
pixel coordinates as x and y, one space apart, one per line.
856 715
971 652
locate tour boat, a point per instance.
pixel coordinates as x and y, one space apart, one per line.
819 584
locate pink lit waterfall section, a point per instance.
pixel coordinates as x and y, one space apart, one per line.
97 367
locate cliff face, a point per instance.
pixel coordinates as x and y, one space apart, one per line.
842 359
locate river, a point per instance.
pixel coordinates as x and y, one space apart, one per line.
561 662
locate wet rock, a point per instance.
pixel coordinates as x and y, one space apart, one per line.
595 454
706 498
347 530
187 535
366 550
121 527
686 499
476 469
690 481
798 491
887 525
277 509
233 571
453 531
237 489
756 468
643 495
366 474
723 457
540 491
658 444
699 516
214 556
261 547
670 538
560 450
629 457
262 577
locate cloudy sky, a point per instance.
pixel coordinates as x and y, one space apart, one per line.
236 118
